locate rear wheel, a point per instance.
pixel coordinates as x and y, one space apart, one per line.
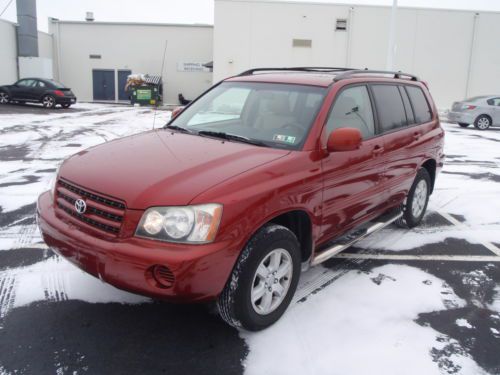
48 101
463 124
263 280
483 122
4 97
414 207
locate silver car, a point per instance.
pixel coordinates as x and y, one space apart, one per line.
482 111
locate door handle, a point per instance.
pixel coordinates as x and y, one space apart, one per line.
377 150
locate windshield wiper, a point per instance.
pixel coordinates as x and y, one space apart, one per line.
231 137
179 128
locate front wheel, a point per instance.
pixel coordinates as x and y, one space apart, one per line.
263 280
4 98
48 101
463 124
483 122
413 209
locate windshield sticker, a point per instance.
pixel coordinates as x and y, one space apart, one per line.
284 138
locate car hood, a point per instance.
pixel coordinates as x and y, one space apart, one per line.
162 167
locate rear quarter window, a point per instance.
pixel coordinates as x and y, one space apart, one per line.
419 103
390 109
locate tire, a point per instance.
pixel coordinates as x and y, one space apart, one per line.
65 105
4 97
463 124
482 122
236 305
413 209
48 101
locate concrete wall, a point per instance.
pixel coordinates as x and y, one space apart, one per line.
456 52
138 47
8 54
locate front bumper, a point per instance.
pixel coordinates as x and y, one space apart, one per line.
460 117
200 271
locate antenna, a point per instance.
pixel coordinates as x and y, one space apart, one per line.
161 75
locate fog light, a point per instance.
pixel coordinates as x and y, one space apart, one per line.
163 276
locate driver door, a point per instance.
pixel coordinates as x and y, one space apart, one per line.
352 189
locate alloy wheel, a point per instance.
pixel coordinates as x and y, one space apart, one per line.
419 198
48 102
4 98
483 123
271 281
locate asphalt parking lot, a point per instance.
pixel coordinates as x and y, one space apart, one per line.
421 301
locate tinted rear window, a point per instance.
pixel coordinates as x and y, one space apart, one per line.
391 113
419 103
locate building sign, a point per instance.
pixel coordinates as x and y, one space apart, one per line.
191 67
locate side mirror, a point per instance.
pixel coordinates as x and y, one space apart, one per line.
177 111
344 139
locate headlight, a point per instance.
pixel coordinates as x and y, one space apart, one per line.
186 224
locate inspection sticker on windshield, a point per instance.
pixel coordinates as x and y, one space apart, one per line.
284 138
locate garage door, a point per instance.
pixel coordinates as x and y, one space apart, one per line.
103 81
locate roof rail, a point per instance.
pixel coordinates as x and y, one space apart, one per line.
318 69
350 73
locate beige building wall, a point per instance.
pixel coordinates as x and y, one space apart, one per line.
456 52
138 47
8 53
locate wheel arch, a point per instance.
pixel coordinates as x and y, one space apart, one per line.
300 223
430 165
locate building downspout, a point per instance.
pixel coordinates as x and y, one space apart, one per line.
471 54
350 24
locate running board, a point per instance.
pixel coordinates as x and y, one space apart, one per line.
352 237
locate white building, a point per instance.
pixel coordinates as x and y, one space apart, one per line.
94 58
456 52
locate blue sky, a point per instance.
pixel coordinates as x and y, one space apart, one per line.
187 11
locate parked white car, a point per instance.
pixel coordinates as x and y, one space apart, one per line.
482 111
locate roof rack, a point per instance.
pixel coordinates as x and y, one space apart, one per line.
318 69
350 73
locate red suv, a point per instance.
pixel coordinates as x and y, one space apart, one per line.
264 174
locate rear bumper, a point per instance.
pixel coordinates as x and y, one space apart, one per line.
200 271
65 99
460 117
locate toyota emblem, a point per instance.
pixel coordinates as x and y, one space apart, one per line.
80 206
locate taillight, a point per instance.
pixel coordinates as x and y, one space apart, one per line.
469 106
58 93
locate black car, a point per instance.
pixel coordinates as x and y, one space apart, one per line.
38 90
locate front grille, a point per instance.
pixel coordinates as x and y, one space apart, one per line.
102 213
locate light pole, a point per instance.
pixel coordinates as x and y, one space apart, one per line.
391 48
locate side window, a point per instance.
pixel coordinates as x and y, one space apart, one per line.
352 109
41 84
494 101
407 104
390 108
26 82
420 105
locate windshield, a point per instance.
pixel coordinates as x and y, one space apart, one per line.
275 115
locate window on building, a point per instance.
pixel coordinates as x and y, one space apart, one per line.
390 107
420 105
352 109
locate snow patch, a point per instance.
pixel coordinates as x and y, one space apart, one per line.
356 317
463 323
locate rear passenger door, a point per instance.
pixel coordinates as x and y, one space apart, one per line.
351 190
402 112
